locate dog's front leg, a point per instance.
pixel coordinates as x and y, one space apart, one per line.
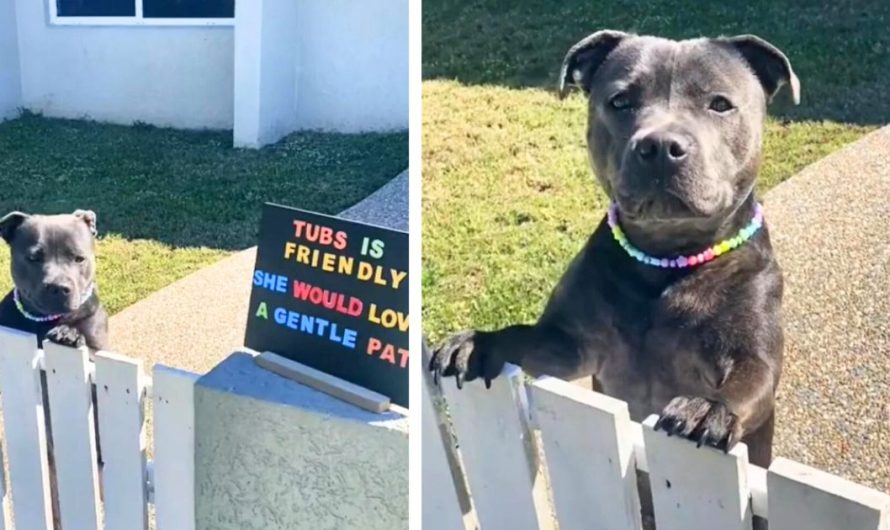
538 349
741 405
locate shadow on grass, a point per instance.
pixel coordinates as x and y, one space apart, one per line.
185 188
840 50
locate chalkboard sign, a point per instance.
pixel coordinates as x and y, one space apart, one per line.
333 294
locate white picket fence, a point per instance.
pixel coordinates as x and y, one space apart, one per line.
551 454
129 483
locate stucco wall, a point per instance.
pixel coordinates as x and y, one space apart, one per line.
352 65
266 44
10 83
171 76
272 454
337 65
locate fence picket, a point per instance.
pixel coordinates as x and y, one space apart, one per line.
173 394
590 456
4 501
494 441
803 497
20 392
441 508
696 488
120 391
73 435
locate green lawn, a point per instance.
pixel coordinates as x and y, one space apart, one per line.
508 196
170 202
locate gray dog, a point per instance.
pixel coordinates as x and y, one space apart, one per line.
674 304
54 272
55 295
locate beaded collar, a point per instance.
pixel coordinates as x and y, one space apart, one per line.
45 318
691 260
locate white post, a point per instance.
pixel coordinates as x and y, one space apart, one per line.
120 391
441 508
23 421
4 502
696 488
265 71
495 444
73 435
803 497
589 450
173 394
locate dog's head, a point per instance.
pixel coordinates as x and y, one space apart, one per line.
53 258
674 132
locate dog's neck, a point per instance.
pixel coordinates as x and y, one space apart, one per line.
671 239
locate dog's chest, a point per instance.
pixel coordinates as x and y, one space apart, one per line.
657 355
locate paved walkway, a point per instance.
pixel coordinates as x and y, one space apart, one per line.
830 225
199 320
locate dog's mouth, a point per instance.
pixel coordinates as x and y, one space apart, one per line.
666 206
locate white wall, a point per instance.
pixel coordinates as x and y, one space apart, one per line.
170 76
337 65
266 45
10 83
352 65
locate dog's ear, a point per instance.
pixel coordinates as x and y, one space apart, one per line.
585 57
10 223
769 64
88 217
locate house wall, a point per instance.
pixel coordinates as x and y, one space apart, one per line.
352 65
266 45
333 65
10 83
168 76
336 65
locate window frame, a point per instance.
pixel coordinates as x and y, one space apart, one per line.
137 20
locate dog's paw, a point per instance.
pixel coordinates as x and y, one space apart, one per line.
700 420
66 336
465 356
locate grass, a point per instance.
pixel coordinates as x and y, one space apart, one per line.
508 196
170 202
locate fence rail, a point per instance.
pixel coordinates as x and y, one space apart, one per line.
549 454
116 498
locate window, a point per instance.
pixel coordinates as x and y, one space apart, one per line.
142 12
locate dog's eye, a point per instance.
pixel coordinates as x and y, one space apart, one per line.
720 104
620 101
34 257
79 259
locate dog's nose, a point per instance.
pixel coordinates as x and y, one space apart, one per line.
662 145
57 289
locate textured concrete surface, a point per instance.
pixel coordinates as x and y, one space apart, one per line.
830 225
387 206
197 321
271 454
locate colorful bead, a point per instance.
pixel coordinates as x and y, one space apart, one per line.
678 262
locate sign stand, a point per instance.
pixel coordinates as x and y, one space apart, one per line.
334 386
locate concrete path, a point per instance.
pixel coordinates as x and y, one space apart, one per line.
830 225
199 320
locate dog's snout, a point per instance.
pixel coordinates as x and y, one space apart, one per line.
59 289
671 147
